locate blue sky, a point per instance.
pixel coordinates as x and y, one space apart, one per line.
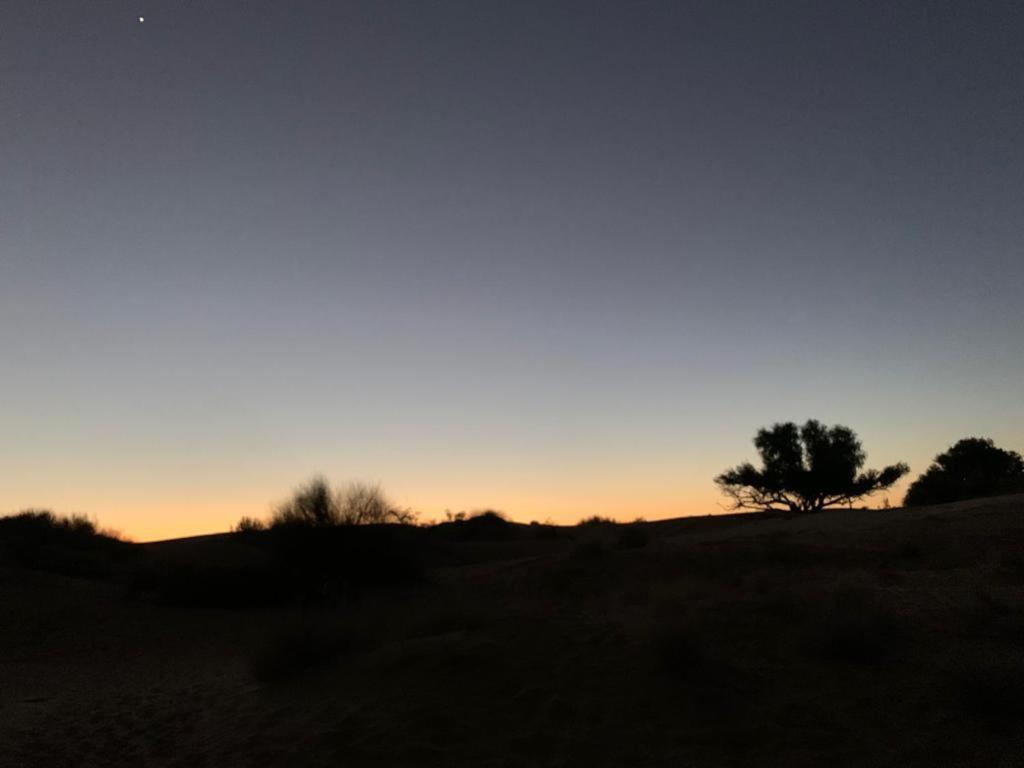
560 259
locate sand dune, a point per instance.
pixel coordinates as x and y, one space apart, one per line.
849 637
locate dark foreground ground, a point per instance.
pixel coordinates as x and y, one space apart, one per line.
845 639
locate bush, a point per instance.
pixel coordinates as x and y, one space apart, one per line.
604 532
73 546
546 530
315 505
363 504
485 525
250 525
972 468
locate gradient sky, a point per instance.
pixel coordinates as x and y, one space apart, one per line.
556 258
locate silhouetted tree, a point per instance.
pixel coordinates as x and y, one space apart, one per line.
971 468
806 469
364 504
315 505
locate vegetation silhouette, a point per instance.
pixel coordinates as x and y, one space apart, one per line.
603 532
806 469
482 525
595 521
320 545
249 525
316 505
972 468
74 546
719 635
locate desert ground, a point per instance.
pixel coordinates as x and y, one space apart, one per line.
845 638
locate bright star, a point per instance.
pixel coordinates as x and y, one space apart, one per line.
141 19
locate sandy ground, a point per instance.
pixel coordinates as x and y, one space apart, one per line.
556 657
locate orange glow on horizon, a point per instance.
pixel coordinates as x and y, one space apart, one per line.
196 517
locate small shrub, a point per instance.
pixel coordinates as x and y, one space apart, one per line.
595 521
250 525
72 546
485 525
364 504
311 506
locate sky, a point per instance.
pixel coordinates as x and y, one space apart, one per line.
554 258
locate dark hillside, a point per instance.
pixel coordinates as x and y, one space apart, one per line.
847 638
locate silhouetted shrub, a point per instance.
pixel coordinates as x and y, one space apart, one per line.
485 525
363 504
602 532
250 525
545 530
69 545
490 517
972 468
315 505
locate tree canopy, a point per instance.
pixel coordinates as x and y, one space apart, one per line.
805 469
971 468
